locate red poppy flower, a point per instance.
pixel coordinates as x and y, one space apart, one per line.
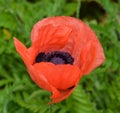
63 49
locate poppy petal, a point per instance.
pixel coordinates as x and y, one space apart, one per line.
37 78
63 94
62 77
57 95
41 81
51 37
91 57
22 50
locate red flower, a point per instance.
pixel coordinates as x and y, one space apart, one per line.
63 49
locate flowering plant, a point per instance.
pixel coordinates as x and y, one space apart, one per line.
63 50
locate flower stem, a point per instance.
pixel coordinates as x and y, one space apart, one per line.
51 108
78 8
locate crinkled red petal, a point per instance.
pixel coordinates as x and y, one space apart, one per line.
50 37
93 59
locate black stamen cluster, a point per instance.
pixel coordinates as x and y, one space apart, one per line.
56 57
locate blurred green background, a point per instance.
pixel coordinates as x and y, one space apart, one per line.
98 92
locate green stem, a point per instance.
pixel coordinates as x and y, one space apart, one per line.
78 8
51 108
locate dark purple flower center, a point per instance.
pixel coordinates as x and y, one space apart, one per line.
56 57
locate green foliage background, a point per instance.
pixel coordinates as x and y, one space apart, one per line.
98 92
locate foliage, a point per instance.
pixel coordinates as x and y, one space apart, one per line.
98 92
